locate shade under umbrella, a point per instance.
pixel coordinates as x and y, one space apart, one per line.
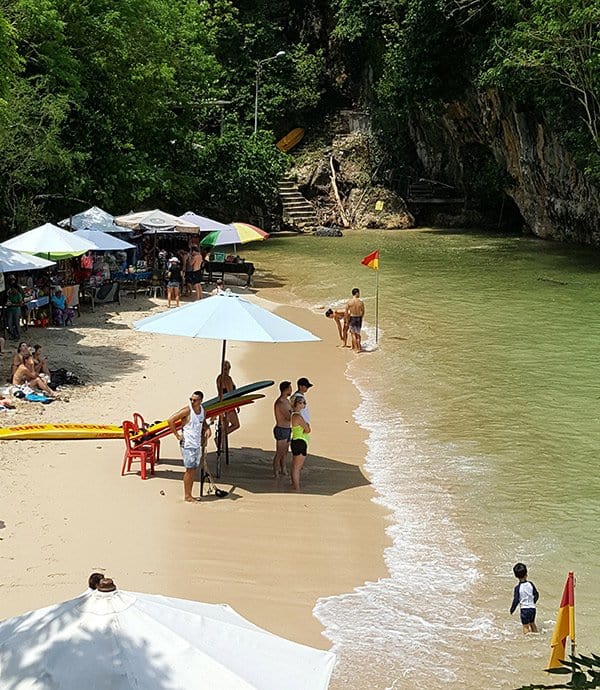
202 223
49 241
120 640
155 220
103 241
94 218
11 261
236 233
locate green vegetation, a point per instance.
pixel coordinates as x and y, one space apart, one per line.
141 103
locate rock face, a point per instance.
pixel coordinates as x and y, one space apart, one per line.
358 202
554 198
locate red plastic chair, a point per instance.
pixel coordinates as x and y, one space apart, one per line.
140 425
143 453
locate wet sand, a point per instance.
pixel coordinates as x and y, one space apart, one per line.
265 550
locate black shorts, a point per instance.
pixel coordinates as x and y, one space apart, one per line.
193 277
282 433
527 616
299 447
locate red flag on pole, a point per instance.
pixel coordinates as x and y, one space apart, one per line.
372 260
565 624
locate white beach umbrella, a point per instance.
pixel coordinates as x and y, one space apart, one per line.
122 640
155 220
94 218
103 241
11 261
49 241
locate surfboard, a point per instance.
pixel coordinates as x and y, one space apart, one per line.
237 392
290 140
40 432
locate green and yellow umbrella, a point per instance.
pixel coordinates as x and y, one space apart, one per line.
235 233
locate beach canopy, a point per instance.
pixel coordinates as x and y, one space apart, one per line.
50 242
225 316
155 220
202 223
11 261
92 219
103 241
236 233
120 640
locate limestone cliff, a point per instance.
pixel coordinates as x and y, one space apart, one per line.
554 198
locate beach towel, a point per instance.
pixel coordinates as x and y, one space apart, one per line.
38 397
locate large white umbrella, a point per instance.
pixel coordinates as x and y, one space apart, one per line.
122 640
49 241
155 220
203 223
103 241
11 261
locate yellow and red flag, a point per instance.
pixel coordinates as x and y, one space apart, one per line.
565 624
372 260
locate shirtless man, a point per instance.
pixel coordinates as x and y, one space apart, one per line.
282 431
195 271
192 436
225 384
355 310
25 373
339 316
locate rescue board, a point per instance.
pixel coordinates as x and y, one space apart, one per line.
236 392
290 140
40 432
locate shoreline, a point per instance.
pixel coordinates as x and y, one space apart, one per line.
269 553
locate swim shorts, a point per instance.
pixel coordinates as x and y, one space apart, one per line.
355 324
191 458
193 277
299 447
282 433
527 616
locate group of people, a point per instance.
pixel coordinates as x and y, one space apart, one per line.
30 369
184 272
292 429
349 320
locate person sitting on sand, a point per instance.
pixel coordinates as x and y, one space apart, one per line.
22 349
300 439
61 313
339 316
40 361
225 384
25 374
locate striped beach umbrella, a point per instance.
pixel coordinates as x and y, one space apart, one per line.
236 233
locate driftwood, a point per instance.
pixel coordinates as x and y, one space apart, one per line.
343 216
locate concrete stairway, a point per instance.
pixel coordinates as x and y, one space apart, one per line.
297 210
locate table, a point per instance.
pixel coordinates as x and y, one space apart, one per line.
221 267
132 279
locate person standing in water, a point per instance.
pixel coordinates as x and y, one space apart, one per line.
355 311
526 596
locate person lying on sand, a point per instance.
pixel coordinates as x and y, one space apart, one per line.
25 373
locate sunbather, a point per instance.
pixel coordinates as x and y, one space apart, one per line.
40 361
25 374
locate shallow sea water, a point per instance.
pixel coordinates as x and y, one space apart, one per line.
481 404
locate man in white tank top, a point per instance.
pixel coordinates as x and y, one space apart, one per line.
191 430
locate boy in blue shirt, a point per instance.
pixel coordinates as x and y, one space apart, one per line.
525 596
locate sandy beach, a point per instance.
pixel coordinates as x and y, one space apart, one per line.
267 551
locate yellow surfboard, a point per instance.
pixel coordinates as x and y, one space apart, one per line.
290 140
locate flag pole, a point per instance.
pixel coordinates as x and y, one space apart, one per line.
377 308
